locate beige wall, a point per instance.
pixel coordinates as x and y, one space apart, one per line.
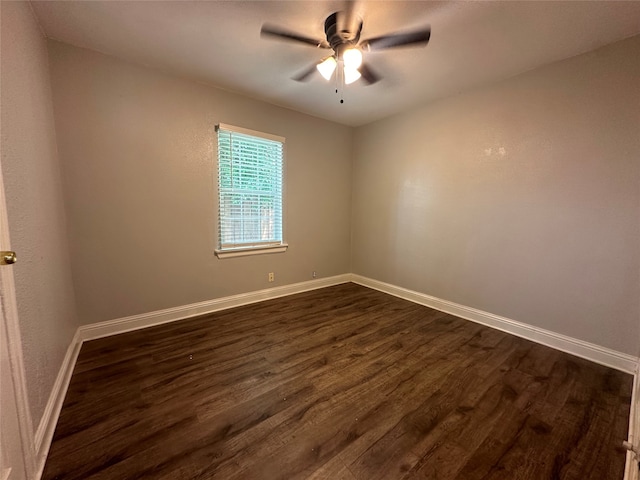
138 153
33 189
521 199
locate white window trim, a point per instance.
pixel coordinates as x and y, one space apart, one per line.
253 133
249 250
246 251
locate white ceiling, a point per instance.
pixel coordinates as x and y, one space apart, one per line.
218 42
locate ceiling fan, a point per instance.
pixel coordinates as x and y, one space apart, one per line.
342 30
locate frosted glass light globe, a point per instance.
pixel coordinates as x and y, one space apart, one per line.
352 58
327 67
351 75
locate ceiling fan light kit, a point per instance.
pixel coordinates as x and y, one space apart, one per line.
344 40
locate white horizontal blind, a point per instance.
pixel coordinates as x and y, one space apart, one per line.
250 188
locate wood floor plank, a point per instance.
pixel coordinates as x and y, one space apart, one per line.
338 383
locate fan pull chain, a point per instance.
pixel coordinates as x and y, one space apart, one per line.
340 82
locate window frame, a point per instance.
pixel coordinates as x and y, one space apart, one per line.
257 248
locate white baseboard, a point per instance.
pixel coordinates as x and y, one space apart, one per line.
46 428
579 348
49 420
595 353
589 351
135 322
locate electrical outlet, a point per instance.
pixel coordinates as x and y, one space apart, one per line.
271 276
314 274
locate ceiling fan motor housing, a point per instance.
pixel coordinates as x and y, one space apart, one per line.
339 36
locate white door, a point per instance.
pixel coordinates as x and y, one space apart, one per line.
16 434
12 459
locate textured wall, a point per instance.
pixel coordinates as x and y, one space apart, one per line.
45 296
138 152
521 199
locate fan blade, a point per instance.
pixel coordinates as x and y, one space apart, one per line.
305 74
417 37
281 33
368 75
357 37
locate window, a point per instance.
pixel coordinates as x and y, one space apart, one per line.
249 192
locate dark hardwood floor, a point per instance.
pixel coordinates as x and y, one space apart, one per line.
339 383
